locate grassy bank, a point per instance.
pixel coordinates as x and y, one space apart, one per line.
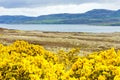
54 41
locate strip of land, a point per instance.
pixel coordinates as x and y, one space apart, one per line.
87 42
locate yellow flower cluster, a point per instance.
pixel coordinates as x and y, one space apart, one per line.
24 61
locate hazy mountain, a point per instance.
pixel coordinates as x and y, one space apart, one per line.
95 17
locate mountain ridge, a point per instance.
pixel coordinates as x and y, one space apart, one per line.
94 17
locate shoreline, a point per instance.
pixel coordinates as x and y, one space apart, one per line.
63 28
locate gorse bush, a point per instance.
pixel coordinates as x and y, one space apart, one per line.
24 61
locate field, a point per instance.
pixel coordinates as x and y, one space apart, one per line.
87 42
36 55
24 61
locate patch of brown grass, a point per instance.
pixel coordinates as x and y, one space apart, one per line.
85 41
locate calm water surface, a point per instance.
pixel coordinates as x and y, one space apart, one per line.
62 27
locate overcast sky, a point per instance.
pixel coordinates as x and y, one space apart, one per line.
44 7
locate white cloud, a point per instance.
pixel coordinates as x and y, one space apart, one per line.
43 3
71 8
38 3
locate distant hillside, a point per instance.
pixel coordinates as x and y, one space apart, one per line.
94 17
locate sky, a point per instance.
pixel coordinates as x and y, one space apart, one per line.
45 7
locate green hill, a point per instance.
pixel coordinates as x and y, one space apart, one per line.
94 17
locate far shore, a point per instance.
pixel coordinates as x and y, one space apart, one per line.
54 41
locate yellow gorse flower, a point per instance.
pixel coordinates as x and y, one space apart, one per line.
24 61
